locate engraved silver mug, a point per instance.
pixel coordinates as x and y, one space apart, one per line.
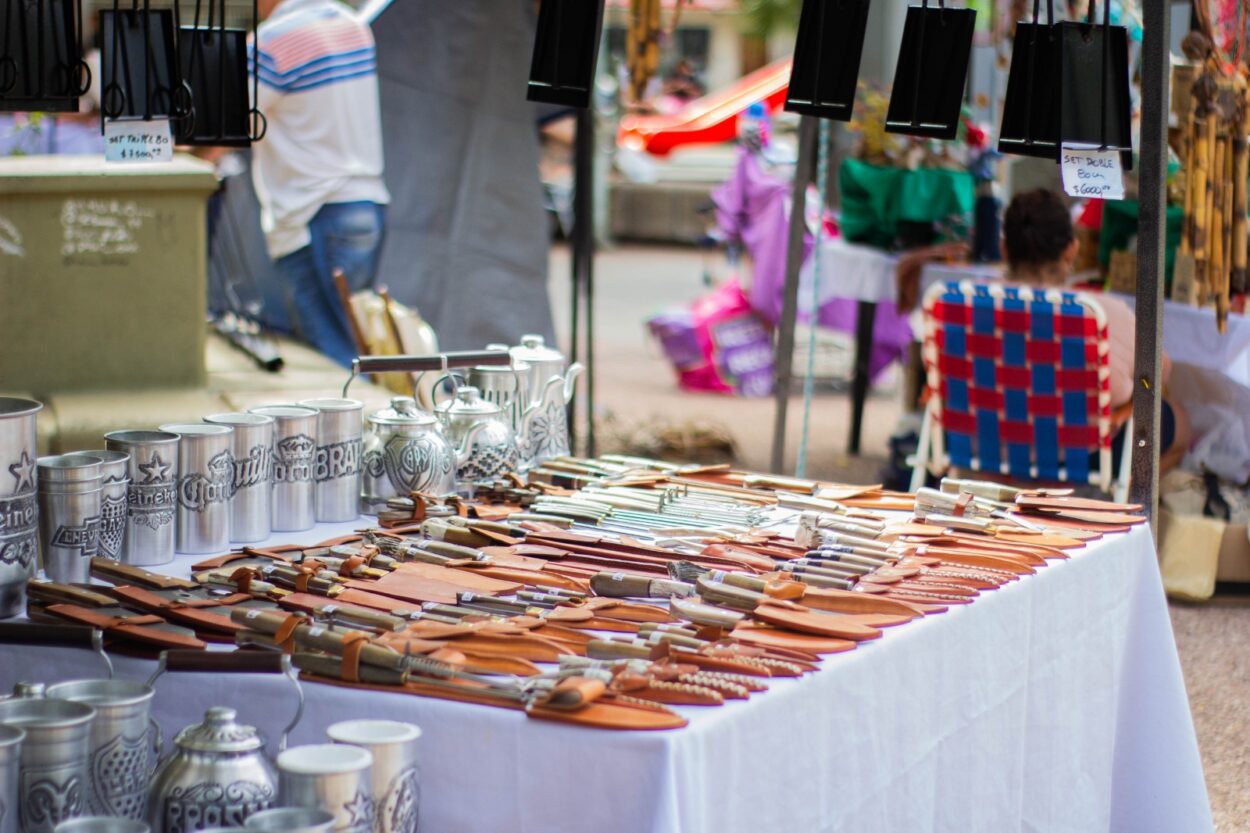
332 777
151 495
19 511
289 820
102 824
396 777
10 757
125 742
115 484
52 781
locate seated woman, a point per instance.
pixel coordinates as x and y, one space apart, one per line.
1040 247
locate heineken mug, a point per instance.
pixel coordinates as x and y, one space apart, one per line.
151 494
19 509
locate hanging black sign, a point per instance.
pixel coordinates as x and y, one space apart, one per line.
827 52
139 72
566 47
41 66
1030 125
931 72
1094 98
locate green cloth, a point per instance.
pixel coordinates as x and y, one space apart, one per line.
1119 225
876 197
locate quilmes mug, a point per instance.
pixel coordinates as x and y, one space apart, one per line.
333 777
205 479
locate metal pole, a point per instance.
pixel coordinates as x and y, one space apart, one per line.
783 358
1151 220
583 268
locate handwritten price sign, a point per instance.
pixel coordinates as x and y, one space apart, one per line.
138 141
1089 172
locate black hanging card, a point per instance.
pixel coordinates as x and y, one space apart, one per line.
931 72
139 73
566 47
1030 125
215 65
1094 101
827 51
41 66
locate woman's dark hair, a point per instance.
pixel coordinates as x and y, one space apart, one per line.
1036 228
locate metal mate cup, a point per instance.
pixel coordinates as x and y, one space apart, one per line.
52 781
114 483
10 760
205 475
151 494
340 434
103 824
290 820
69 515
124 744
294 462
19 508
396 777
333 777
251 500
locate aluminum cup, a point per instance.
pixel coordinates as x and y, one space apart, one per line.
332 777
19 506
294 462
340 433
52 781
114 484
10 760
251 499
123 747
151 494
103 824
290 820
205 473
69 515
396 777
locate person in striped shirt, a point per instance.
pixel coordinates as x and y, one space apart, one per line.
318 169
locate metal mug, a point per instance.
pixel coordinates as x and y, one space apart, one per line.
125 742
251 501
19 508
340 434
205 475
294 461
52 782
103 824
290 820
396 777
69 515
151 494
115 480
10 758
333 777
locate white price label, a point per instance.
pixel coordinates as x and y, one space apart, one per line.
1090 172
138 141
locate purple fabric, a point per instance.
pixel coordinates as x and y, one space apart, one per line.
753 206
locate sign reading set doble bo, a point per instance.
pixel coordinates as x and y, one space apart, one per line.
138 140
1090 172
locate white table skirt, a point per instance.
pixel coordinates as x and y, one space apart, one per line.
1054 704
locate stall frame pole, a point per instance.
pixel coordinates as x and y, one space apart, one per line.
582 308
783 355
1151 231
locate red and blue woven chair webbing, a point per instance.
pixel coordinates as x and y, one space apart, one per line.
1018 378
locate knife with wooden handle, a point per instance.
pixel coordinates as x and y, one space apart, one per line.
118 573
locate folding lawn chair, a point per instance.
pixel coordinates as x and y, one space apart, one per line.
1019 385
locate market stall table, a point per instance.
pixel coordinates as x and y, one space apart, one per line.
1054 703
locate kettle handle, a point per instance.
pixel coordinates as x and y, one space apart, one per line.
438 383
235 662
65 636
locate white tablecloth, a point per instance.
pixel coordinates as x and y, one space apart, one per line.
1190 336
1055 704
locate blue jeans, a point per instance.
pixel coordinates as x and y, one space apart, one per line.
347 236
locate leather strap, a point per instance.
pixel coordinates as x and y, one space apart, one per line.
354 643
285 635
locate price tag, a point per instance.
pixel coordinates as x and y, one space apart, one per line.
138 141
1089 172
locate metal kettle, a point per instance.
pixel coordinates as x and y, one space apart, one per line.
543 431
486 444
218 773
405 451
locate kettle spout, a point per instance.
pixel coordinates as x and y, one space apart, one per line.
465 448
570 380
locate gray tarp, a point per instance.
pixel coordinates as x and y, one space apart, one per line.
467 236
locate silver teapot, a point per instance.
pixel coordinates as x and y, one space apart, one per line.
218 773
406 450
483 430
550 382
